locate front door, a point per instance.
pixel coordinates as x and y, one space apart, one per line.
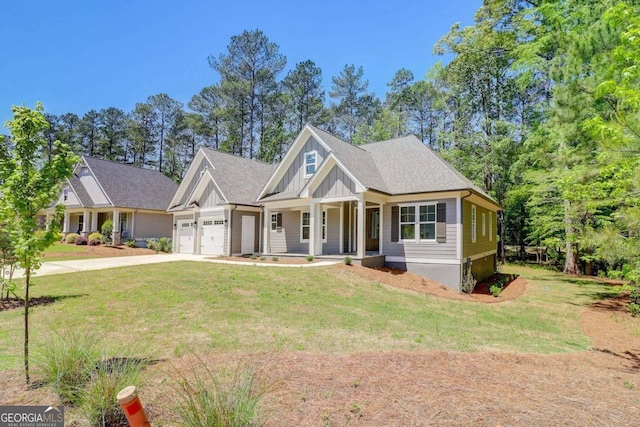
373 230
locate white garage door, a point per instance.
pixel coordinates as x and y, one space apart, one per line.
185 237
212 239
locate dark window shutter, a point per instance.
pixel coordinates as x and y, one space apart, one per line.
279 220
395 223
441 225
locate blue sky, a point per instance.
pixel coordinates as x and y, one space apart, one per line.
80 55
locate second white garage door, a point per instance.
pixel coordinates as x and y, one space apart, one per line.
212 239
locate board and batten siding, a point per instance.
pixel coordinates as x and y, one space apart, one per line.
236 231
93 189
294 178
286 239
333 232
211 198
482 243
430 250
194 181
335 184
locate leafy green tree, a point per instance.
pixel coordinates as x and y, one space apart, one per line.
30 178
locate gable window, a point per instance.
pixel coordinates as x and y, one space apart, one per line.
65 194
484 225
473 223
276 221
490 226
310 160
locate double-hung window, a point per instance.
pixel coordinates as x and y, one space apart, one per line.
407 222
427 222
305 226
418 222
310 161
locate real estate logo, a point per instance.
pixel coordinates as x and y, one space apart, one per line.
31 416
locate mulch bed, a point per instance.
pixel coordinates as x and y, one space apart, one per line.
268 260
405 280
15 303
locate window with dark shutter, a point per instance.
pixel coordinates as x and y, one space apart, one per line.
395 223
441 225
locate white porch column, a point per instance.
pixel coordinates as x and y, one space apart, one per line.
312 229
361 227
85 222
94 221
67 222
380 228
341 227
116 228
266 231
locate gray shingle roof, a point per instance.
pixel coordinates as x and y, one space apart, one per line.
131 187
398 166
240 179
356 159
80 191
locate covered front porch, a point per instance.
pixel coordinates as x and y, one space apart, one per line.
333 227
85 222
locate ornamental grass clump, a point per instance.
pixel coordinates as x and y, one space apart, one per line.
224 398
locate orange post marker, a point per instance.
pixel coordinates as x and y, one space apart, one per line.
132 408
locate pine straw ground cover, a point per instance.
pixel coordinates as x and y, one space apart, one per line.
524 361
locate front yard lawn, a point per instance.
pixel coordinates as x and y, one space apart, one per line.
180 306
68 251
340 349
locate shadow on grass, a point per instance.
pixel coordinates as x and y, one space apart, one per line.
16 303
629 356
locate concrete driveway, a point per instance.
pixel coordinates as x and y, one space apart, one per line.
59 267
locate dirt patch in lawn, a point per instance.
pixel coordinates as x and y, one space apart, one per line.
14 303
406 280
99 252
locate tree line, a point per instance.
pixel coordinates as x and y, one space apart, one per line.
539 107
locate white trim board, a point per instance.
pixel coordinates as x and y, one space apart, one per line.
423 260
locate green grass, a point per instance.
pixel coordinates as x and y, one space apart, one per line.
65 248
172 308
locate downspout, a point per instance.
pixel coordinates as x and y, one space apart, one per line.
229 229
